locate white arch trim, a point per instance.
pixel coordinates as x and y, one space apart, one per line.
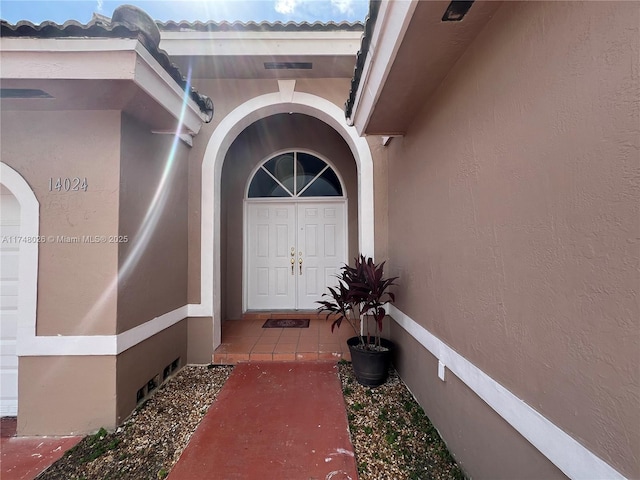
27 252
224 134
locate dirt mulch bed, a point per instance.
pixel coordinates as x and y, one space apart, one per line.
391 435
150 442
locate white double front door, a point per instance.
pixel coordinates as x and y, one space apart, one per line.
294 250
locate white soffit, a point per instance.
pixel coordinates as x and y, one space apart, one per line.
389 30
97 59
260 43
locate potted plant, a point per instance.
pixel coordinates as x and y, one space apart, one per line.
361 294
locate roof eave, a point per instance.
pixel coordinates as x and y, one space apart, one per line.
153 79
99 59
387 34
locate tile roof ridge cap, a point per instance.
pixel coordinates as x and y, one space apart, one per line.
137 20
99 19
264 24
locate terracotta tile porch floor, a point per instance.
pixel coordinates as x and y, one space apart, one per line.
245 340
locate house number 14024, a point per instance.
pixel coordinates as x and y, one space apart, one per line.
75 184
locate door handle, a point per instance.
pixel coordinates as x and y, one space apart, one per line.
300 263
293 261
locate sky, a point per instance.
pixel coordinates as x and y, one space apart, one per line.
37 11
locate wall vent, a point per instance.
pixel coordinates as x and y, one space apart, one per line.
153 383
23 93
169 369
288 65
175 364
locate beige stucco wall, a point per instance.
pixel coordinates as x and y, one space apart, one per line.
66 395
143 362
483 443
199 340
77 289
153 262
153 217
380 155
227 95
63 395
75 278
513 224
254 145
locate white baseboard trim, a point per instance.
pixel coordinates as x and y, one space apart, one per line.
570 456
31 345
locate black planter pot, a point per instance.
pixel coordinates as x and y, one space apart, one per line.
370 367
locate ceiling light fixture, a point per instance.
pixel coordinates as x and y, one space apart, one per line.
456 10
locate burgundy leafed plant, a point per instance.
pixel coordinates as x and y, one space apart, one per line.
361 292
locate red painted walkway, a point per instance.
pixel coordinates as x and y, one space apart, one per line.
280 421
23 458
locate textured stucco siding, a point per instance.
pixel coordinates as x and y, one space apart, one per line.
228 94
153 252
514 214
152 275
72 395
76 294
146 361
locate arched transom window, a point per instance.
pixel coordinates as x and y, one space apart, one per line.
297 175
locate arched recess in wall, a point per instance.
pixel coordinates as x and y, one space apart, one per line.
27 226
224 134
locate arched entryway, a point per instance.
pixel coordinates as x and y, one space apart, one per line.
214 159
257 153
295 231
19 226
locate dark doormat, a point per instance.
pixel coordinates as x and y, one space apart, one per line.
286 323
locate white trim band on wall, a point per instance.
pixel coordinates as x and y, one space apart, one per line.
566 453
30 345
